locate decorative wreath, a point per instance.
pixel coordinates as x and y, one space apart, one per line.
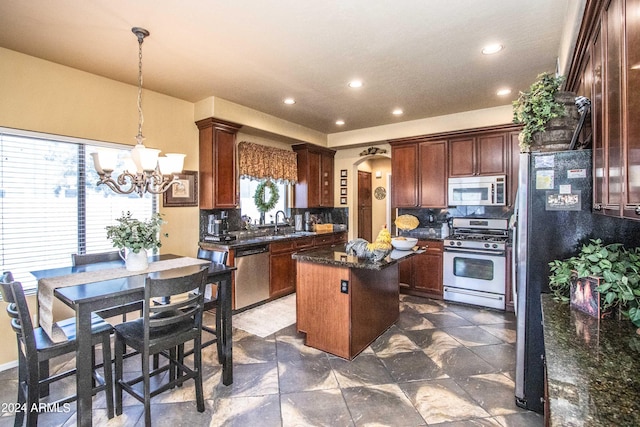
258 198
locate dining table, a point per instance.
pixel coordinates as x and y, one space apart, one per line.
96 291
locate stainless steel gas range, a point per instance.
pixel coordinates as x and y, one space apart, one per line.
474 262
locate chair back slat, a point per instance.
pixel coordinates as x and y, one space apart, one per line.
216 257
180 310
18 310
84 259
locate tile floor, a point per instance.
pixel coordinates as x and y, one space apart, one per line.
440 364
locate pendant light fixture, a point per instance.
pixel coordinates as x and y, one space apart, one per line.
144 170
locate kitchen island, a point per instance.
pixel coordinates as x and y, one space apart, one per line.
343 302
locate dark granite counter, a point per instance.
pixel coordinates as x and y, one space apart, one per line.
336 256
593 368
261 240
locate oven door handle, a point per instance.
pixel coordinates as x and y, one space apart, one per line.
475 294
474 251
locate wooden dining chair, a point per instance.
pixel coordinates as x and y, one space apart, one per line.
36 349
163 330
211 301
86 259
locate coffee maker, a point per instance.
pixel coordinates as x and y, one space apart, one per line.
218 228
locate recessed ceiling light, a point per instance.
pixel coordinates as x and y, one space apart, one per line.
503 92
397 112
492 48
355 83
289 101
340 122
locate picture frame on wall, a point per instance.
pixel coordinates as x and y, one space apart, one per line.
343 200
184 192
343 173
343 191
343 183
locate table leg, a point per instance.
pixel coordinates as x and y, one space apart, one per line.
226 335
83 366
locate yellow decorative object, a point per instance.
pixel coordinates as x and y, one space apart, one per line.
382 242
407 222
375 251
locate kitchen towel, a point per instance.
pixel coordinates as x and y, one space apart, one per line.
47 286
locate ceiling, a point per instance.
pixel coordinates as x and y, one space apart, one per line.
421 56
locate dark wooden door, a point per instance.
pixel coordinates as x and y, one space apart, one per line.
365 215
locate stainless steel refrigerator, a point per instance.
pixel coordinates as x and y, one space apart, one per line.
552 218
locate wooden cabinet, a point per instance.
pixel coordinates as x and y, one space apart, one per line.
315 176
421 274
404 175
421 165
479 155
433 174
605 69
218 177
419 174
282 268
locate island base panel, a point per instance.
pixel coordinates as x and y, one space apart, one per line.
375 304
345 324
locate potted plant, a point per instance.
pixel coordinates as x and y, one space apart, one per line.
544 114
136 237
616 270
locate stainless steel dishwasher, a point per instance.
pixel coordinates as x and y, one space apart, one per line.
252 275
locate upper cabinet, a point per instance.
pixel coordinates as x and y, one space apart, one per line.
421 165
479 155
404 175
605 69
315 176
418 173
218 182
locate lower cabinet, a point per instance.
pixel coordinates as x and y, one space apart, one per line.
282 268
421 275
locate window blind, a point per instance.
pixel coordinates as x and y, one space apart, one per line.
50 206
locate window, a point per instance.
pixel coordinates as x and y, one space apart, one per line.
50 206
248 206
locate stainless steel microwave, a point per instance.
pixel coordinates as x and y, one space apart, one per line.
477 191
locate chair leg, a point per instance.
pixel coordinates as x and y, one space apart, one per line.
180 358
44 373
22 398
197 365
156 361
119 350
172 365
146 383
33 390
219 333
108 375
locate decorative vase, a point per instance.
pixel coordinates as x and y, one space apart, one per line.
136 261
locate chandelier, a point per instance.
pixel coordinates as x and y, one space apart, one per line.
144 170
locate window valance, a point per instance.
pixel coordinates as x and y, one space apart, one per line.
261 162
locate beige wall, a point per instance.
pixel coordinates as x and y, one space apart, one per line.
46 97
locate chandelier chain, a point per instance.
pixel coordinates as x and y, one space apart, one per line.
140 137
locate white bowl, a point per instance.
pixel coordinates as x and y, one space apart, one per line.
404 244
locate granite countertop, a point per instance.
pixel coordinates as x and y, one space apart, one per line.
593 368
337 257
261 240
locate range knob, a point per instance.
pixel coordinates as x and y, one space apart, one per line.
452 243
495 246
486 245
459 243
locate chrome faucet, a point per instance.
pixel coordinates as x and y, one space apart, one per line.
275 230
